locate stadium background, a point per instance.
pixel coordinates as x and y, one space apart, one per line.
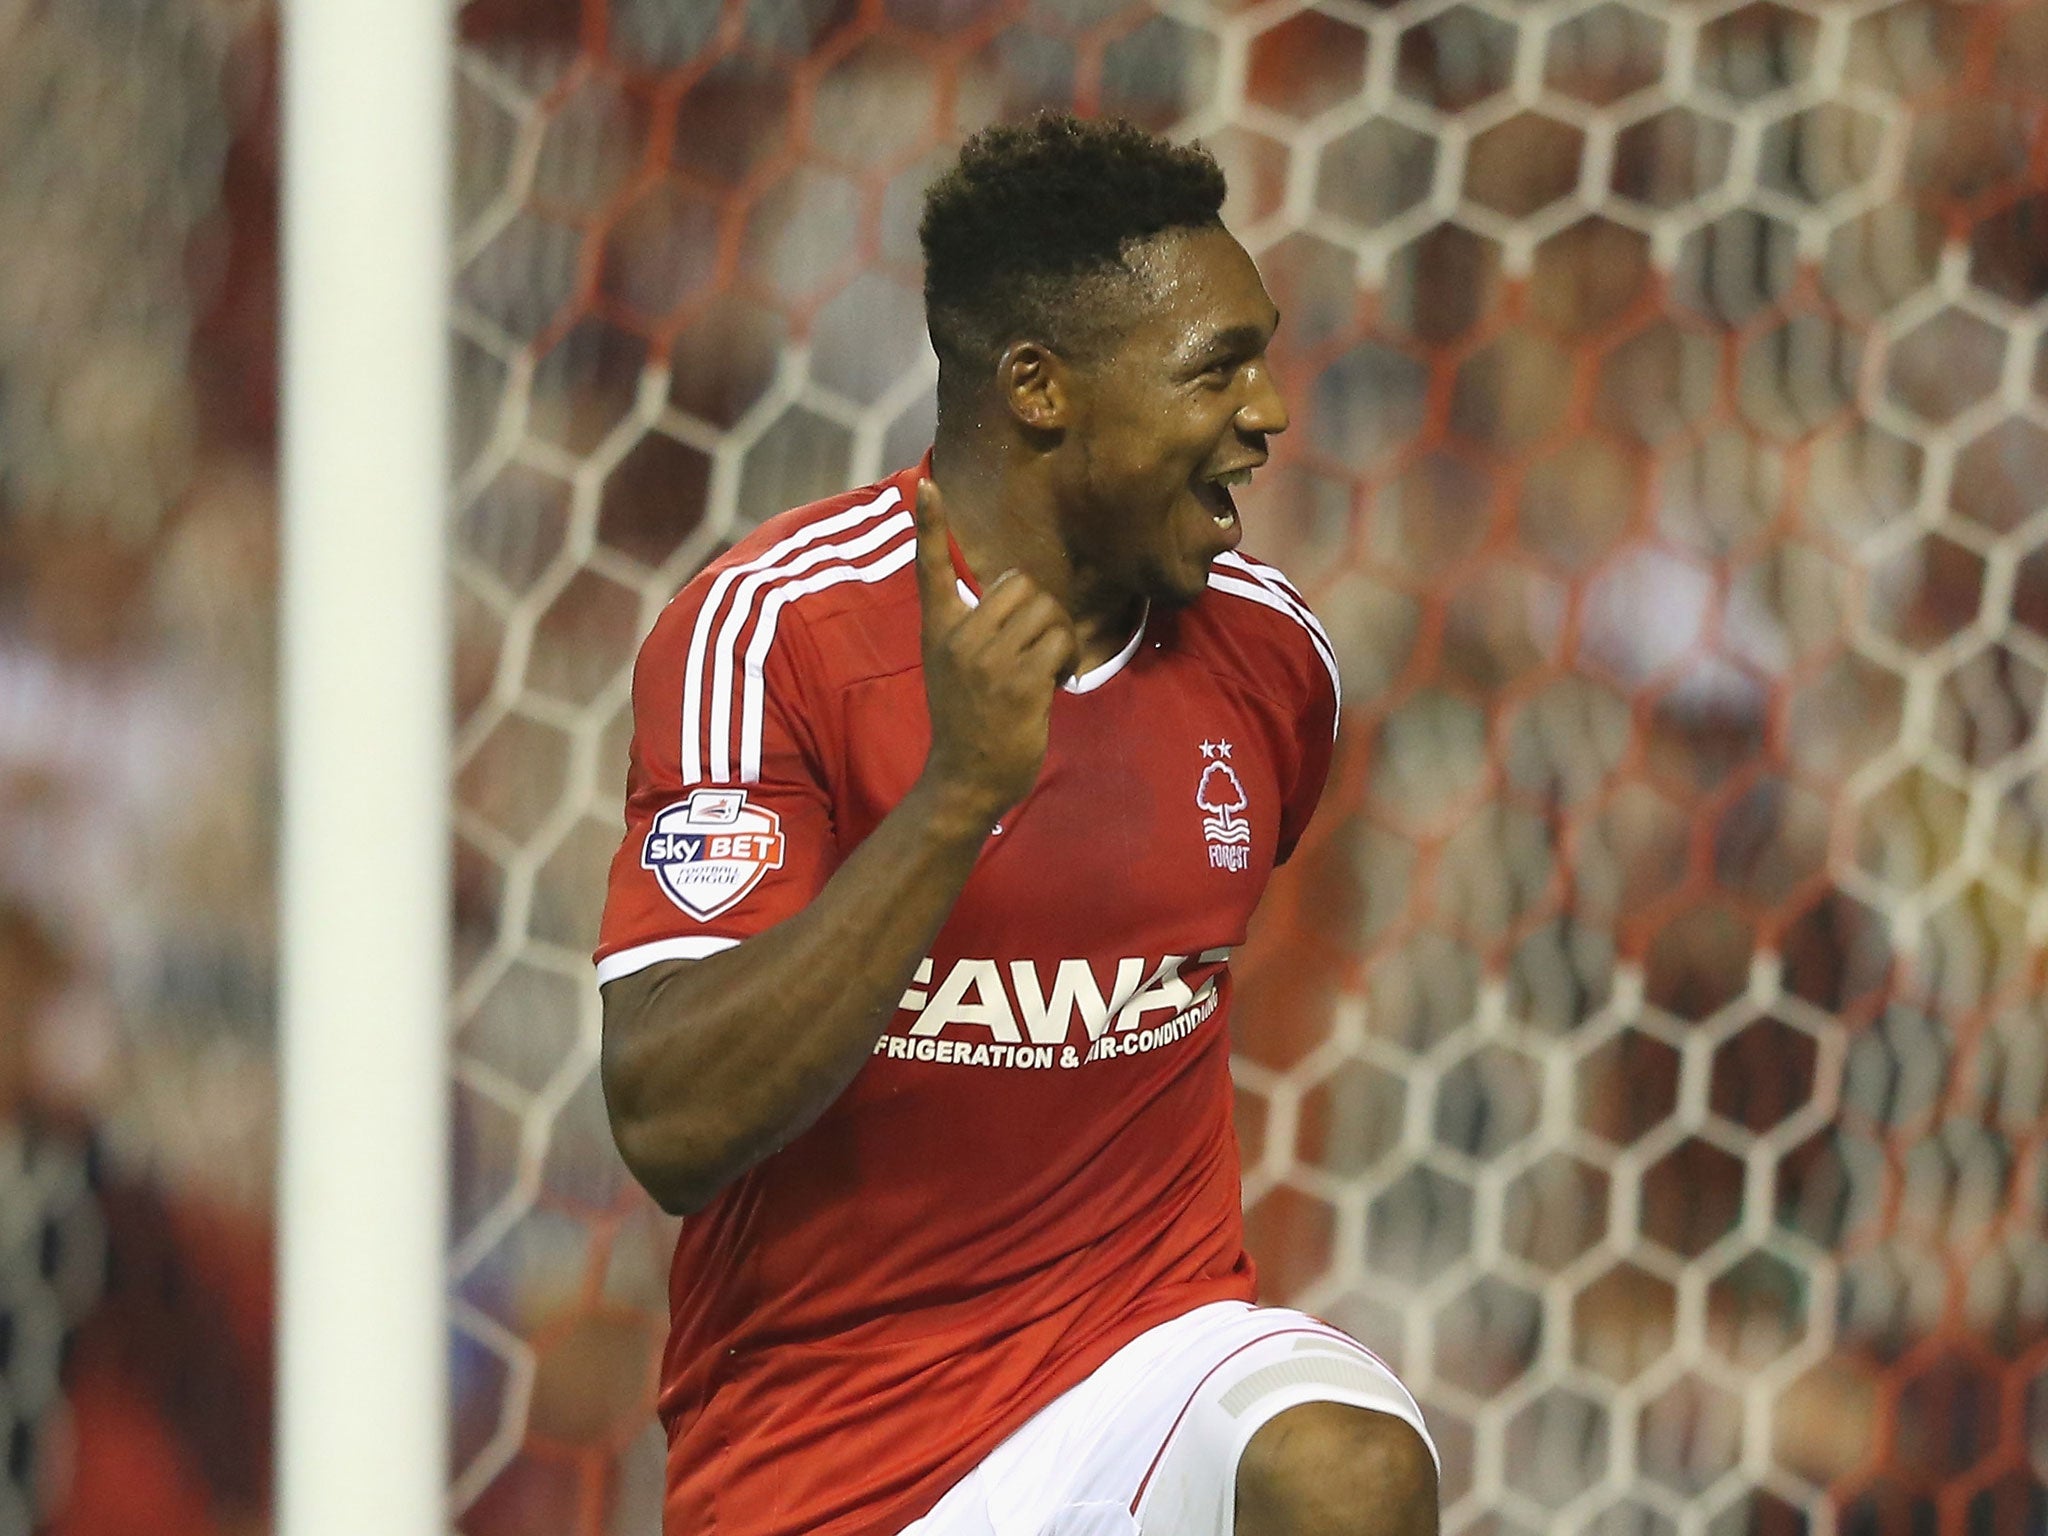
1646 1050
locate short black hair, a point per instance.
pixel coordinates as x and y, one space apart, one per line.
1016 230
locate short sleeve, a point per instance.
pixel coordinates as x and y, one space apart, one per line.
1315 730
729 825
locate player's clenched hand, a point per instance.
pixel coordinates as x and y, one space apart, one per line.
990 671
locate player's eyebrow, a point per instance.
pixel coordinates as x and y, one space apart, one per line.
1246 338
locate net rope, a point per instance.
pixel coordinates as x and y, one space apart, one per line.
1646 1049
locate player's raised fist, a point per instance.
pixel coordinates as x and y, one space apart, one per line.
990 672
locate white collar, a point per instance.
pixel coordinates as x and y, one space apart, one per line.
1094 677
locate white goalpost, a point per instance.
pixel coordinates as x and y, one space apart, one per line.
362 1421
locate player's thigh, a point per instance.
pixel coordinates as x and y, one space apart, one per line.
1265 1363
1075 1468
1151 1441
962 1512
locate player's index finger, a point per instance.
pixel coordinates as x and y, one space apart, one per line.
935 576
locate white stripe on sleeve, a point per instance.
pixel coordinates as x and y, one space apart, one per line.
707 616
890 561
691 947
1266 597
746 596
1272 580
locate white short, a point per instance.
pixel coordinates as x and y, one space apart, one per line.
1148 1445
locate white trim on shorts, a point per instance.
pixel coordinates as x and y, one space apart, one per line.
1148 1445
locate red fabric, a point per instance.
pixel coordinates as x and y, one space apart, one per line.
863 1316
129 1475
169 1386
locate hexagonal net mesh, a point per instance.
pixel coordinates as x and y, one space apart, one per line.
1646 1049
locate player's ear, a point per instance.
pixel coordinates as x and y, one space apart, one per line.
1035 385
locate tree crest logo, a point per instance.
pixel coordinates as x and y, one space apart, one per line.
1221 793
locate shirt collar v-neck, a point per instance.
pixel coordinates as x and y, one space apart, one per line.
1086 682
1094 677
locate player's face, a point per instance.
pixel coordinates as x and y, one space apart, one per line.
1176 413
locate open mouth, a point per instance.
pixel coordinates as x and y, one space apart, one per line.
1214 494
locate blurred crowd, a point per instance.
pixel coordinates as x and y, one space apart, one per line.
137 796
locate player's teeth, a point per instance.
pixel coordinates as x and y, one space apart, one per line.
1235 478
1223 519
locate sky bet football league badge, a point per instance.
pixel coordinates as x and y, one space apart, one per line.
712 849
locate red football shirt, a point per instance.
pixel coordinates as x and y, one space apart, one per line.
1038 1163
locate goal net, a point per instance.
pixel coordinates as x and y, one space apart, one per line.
1646 1049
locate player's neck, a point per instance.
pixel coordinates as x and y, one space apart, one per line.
1002 522
1103 623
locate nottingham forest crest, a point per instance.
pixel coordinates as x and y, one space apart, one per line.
1220 793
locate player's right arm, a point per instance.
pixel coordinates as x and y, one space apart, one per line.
710 1065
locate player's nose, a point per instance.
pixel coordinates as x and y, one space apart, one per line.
1263 410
